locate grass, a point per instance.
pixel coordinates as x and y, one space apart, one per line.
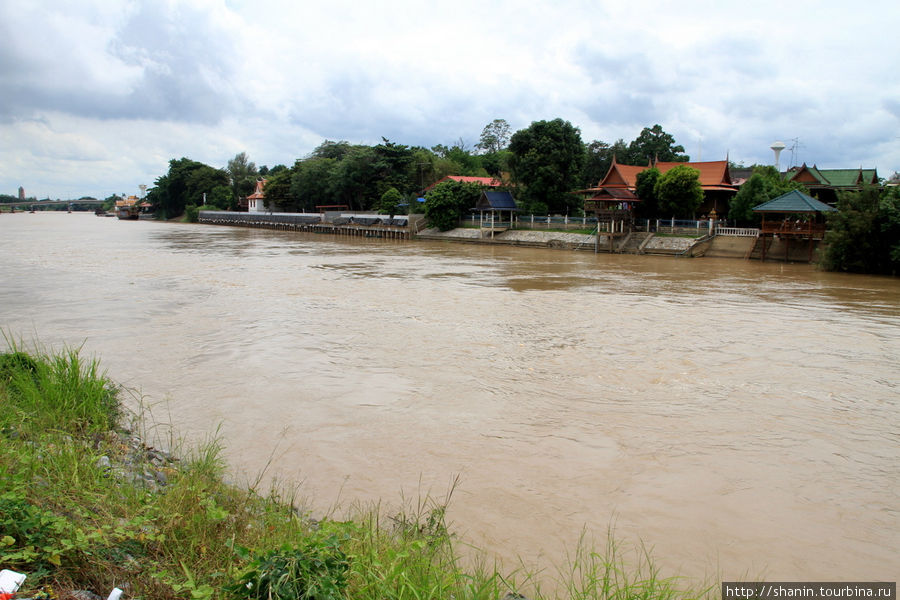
82 507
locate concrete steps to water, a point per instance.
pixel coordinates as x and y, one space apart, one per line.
634 242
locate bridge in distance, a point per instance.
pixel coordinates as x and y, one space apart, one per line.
52 202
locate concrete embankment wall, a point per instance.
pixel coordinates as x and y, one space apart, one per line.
737 247
667 245
516 237
729 247
797 251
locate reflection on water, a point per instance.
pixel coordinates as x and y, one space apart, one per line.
738 417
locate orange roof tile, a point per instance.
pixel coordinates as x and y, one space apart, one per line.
258 192
714 175
486 181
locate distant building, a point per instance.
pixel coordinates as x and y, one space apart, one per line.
21 193
256 202
617 190
824 184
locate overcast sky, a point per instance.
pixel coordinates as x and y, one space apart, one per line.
98 95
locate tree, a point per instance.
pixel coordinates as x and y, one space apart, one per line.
598 158
679 191
355 178
329 149
446 202
389 203
864 235
314 182
494 137
394 167
496 163
185 183
645 186
277 191
654 144
464 161
547 158
763 185
204 180
242 173
220 197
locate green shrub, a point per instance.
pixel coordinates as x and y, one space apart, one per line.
317 570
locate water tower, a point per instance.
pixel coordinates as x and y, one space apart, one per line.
777 147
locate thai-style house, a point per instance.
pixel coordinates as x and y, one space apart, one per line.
614 198
824 184
256 202
792 217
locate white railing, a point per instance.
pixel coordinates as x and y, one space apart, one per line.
738 231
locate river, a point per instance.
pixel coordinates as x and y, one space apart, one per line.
738 418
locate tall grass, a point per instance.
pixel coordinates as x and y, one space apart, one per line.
82 507
57 391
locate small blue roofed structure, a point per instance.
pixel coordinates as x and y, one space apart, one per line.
496 201
497 204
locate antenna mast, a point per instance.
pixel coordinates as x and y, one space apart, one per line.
795 149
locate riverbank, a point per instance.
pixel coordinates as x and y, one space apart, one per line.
689 243
86 506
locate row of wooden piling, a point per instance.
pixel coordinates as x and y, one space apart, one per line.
272 222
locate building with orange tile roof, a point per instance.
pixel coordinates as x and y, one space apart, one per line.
618 187
256 202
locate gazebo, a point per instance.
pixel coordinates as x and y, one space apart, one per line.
792 216
497 204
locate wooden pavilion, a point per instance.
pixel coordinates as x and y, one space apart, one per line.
792 216
496 205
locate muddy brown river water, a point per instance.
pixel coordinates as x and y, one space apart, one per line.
739 418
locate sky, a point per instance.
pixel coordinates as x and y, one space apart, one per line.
99 95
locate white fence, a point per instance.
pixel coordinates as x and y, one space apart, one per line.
738 231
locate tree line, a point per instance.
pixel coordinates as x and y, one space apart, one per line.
545 162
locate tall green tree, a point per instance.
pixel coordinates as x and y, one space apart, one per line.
185 183
314 182
459 154
655 144
679 191
277 191
355 178
645 187
394 167
547 158
496 164
864 235
242 172
447 202
330 149
204 181
494 137
763 185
